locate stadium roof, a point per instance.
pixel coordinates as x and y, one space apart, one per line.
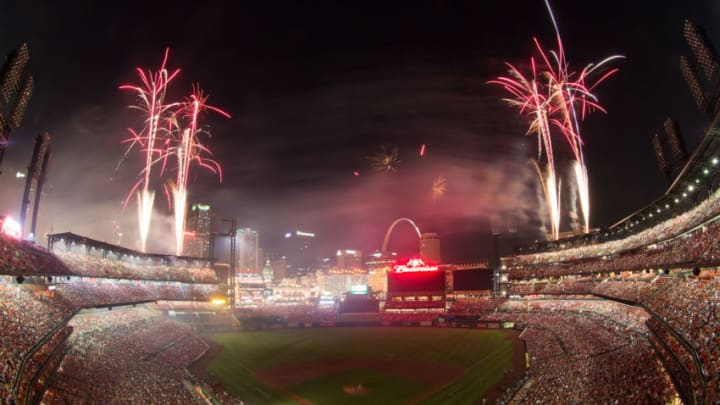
69 236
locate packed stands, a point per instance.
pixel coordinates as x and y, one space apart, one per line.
133 269
700 247
25 321
585 351
24 258
669 269
110 292
705 212
475 305
41 291
685 308
128 356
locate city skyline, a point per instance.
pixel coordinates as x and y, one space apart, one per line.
311 110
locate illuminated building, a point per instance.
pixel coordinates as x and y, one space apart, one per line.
378 265
248 251
293 291
249 290
430 248
197 231
379 260
349 259
337 282
377 281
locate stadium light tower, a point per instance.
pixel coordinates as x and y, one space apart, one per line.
37 172
15 94
701 69
500 226
38 190
215 232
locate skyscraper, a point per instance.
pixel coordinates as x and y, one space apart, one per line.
300 253
248 251
430 248
197 231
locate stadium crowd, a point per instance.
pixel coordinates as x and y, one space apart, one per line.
127 356
25 258
688 303
699 248
24 321
90 265
28 314
475 305
680 361
670 228
588 352
110 292
40 366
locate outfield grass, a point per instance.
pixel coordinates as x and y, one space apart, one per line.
484 355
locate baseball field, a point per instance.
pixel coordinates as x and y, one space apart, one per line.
365 365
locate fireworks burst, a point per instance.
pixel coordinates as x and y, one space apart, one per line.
384 161
533 99
439 188
151 95
551 192
570 92
171 130
562 98
189 150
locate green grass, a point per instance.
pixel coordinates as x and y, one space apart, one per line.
484 355
386 388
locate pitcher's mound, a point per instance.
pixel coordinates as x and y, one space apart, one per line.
357 389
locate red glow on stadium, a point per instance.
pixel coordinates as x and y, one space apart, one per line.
414 265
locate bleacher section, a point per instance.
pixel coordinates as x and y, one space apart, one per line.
41 292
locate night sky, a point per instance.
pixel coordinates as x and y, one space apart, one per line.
316 88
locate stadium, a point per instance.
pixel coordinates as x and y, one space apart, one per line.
625 314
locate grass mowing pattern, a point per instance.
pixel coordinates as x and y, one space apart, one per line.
485 355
